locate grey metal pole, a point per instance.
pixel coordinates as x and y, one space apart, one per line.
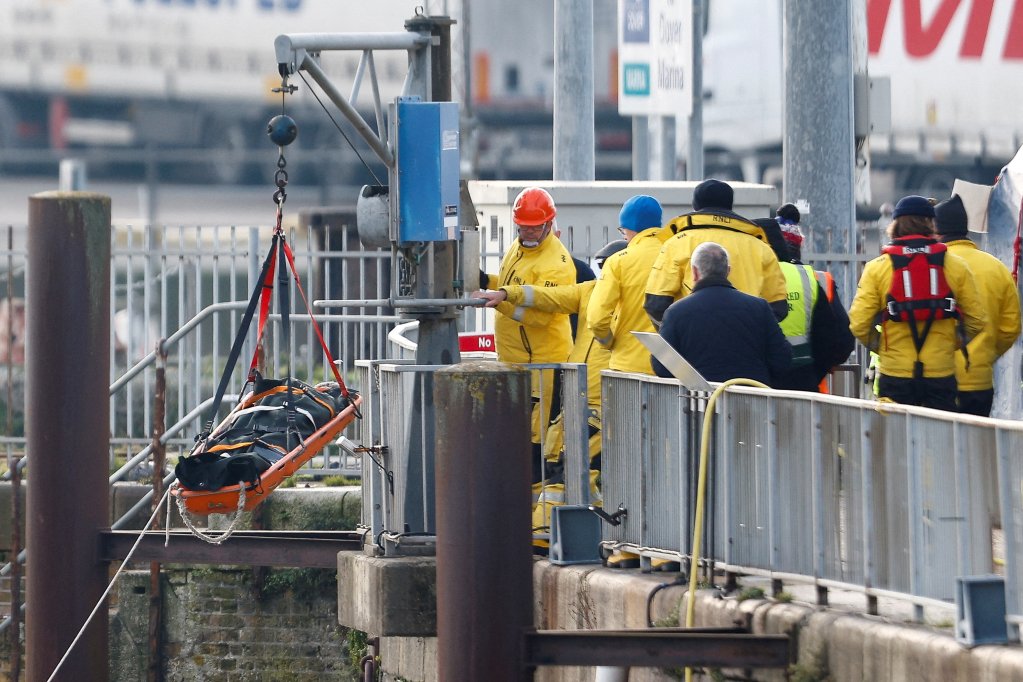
667 163
468 141
573 90
819 148
483 522
71 175
694 161
640 148
859 54
438 331
67 418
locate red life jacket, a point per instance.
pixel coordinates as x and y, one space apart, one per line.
919 291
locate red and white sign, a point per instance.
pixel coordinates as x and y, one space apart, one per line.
475 342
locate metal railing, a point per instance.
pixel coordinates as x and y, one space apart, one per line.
189 285
397 439
885 499
164 278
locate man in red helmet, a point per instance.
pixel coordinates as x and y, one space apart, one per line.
523 333
567 299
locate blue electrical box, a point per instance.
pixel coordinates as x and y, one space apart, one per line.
427 160
575 536
980 610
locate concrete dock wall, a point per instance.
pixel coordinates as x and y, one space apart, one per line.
828 644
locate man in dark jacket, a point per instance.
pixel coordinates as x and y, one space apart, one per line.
722 332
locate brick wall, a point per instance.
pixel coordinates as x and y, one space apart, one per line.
225 623
220 627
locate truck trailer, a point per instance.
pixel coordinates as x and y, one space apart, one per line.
188 85
189 80
955 69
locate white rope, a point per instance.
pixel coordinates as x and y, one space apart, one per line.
167 520
106 592
200 533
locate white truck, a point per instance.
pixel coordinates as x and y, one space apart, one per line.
956 75
187 78
188 82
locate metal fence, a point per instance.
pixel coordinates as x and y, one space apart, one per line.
885 499
190 285
397 439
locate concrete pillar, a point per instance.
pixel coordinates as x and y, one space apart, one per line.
67 430
72 175
694 160
573 90
819 148
484 538
640 148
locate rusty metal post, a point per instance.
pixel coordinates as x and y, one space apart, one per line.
67 432
484 541
13 464
154 672
16 521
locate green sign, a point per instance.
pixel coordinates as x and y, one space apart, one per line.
636 79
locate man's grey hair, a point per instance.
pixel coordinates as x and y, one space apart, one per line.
711 259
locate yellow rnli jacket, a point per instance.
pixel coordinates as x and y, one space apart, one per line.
755 268
573 298
1001 304
616 308
524 333
894 345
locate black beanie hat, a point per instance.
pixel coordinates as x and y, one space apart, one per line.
913 205
950 216
789 212
713 194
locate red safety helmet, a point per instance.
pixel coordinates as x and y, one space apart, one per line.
533 206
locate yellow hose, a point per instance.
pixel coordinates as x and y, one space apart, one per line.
701 495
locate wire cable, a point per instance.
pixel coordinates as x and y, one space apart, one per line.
106 592
339 129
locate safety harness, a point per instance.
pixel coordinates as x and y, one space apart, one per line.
919 291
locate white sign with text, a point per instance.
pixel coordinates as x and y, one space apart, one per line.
655 56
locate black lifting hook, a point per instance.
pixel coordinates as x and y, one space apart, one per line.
614 519
282 130
281 180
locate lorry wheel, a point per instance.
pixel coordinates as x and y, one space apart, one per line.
226 158
934 182
8 116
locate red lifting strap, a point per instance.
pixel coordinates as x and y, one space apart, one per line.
264 313
316 325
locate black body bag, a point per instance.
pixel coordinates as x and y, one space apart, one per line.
259 432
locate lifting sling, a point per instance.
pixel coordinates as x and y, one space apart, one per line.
276 427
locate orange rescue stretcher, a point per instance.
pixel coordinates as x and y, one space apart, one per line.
225 500
245 496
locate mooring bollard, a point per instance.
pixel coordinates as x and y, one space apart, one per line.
484 537
67 432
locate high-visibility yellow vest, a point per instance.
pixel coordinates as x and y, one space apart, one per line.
801 287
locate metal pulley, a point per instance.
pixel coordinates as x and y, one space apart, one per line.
282 130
